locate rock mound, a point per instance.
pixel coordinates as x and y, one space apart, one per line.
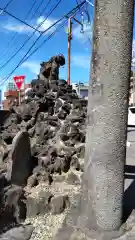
42 142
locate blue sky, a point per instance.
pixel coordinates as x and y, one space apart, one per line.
80 50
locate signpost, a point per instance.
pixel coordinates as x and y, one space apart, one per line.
19 81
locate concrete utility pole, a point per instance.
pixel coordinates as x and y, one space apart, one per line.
103 183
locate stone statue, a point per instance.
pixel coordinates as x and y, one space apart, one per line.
50 70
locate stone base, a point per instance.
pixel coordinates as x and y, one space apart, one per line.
73 233
70 229
77 235
70 233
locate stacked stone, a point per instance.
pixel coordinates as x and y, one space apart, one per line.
55 121
42 137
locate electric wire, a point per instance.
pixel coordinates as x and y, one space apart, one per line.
22 60
45 7
48 38
78 2
8 4
11 58
15 34
27 16
48 30
36 49
25 23
36 11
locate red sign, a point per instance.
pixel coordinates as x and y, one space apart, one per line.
19 81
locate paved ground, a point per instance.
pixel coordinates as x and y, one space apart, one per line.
129 196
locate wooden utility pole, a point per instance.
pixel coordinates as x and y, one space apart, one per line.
70 23
105 154
69 46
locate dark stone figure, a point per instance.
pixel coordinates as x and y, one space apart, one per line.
50 70
56 61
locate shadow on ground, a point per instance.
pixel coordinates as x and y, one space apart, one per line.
129 195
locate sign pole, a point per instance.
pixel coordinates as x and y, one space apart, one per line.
19 97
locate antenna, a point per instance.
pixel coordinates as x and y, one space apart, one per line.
82 21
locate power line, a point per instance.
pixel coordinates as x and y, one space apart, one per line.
45 7
27 15
78 2
36 49
30 9
48 30
25 23
1 12
22 60
48 38
14 36
11 58
8 4
37 9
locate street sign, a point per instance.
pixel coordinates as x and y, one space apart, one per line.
19 81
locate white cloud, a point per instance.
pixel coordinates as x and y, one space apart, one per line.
82 61
133 48
85 35
46 24
133 62
21 28
17 28
32 66
133 53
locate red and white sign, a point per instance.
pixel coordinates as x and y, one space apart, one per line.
19 81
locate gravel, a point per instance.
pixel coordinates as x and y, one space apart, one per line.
46 226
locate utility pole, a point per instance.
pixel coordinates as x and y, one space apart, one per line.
79 88
105 152
69 46
70 23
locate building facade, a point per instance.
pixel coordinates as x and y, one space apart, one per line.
81 89
12 95
132 91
